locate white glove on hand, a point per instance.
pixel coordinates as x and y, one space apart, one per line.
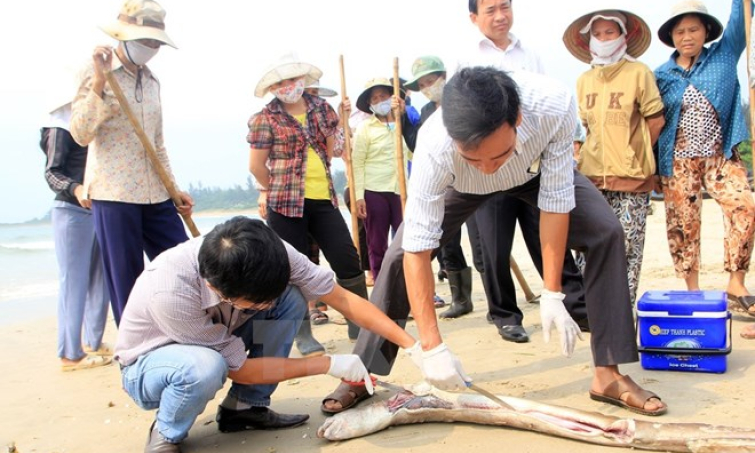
553 312
442 369
415 353
350 368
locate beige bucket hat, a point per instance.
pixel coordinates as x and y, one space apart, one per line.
288 66
363 101
139 19
690 7
577 34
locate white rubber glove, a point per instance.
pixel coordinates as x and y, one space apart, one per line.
442 369
553 313
415 353
350 368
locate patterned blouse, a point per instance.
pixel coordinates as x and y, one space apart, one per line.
117 167
699 132
273 129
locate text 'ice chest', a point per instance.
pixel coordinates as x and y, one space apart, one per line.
684 331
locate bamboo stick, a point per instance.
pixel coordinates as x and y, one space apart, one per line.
151 153
400 172
349 167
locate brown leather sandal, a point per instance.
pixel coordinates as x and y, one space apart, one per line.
636 396
349 396
742 304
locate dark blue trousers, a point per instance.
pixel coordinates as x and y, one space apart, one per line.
127 231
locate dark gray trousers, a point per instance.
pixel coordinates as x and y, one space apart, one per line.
593 228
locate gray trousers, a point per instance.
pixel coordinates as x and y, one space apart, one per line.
593 229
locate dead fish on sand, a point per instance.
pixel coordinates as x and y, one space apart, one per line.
422 403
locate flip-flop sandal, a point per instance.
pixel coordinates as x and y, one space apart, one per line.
438 301
637 396
317 317
347 395
742 304
90 361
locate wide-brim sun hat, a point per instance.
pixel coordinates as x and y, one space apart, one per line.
321 91
690 7
363 101
423 66
139 19
638 34
288 66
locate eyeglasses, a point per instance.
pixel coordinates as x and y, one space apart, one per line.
243 305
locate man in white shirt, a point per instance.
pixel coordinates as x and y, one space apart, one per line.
512 134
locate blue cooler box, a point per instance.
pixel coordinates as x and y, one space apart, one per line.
684 331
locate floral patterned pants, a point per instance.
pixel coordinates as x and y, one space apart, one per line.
631 209
725 181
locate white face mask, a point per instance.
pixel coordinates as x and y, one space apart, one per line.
138 53
435 91
290 94
607 52
381 108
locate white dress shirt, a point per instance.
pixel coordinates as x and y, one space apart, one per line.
516 57
544 145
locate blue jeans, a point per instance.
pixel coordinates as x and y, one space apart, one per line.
83 296
179 380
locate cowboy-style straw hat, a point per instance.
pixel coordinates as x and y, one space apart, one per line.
423 66
363 101
690 7
288 66
139 19
577 39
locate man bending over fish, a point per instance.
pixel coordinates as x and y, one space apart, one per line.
510 133
228 305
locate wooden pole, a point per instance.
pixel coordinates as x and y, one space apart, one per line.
349 167
400 173
150 149
748 22
528 294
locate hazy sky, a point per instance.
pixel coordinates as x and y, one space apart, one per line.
225 45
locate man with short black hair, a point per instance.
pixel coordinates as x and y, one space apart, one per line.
229 305
510 134
513 134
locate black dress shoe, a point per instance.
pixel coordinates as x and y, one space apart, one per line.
156 443
256 418
515 334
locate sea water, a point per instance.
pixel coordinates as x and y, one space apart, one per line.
29 268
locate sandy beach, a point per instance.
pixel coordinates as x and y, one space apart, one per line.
46 410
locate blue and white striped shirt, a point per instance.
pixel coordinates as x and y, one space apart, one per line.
544 144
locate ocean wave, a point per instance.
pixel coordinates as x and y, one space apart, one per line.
29 291
27 246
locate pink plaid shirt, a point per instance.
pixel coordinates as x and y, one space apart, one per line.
287 141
